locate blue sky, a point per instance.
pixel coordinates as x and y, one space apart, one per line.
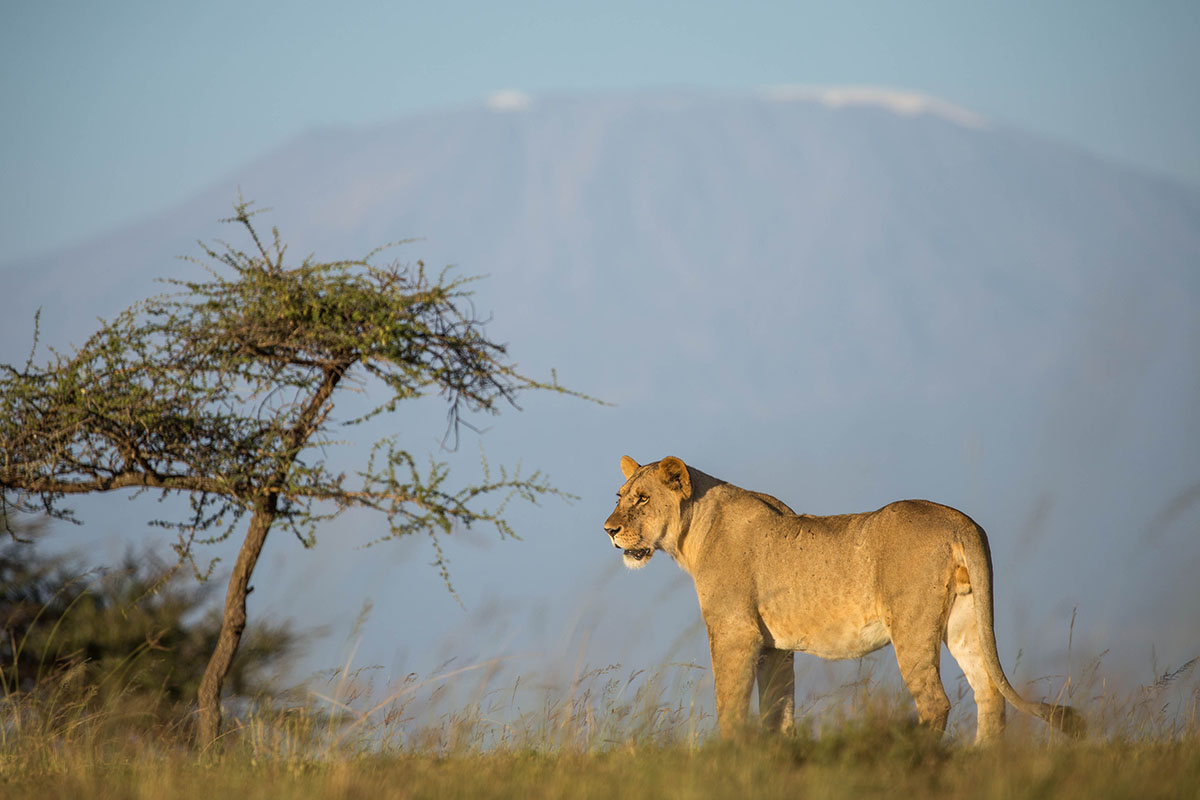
114 111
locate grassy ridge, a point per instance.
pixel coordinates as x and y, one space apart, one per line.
478 731
903 768
599 741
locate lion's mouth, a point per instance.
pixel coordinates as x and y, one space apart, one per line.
639 554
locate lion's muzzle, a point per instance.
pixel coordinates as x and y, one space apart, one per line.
629 541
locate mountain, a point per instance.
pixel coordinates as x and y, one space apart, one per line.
839 299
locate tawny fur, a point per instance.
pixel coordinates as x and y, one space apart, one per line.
770 582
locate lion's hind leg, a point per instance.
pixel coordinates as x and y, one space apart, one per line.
963 641
918 647
924 681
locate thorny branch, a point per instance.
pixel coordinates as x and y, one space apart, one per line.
224 388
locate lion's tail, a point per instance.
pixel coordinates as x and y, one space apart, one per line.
978 558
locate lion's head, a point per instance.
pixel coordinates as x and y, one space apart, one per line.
648 505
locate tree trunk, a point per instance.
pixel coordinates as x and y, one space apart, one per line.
232 625
234 622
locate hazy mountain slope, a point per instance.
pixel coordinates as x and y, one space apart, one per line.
839 305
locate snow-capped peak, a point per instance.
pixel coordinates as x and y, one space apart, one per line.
898 101
508 100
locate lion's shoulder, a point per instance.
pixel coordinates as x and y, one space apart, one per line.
735 503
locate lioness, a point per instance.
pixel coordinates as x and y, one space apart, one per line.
770 582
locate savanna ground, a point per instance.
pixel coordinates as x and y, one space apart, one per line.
600 735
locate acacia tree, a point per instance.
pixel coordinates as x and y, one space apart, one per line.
223 391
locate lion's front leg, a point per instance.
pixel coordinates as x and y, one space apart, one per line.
777 689
735 650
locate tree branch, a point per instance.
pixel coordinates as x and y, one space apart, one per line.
121 480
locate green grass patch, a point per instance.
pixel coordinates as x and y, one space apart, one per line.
781 768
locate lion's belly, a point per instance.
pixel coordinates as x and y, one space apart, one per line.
849 639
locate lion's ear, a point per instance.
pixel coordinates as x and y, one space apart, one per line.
628 466
674 474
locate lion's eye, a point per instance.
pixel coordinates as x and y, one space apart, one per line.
641 498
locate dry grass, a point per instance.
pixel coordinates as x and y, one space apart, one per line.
894 761
602 734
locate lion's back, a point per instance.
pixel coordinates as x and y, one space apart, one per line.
858 557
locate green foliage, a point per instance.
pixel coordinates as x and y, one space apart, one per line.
135 636
223 390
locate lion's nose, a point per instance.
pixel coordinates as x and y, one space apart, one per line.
612 530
